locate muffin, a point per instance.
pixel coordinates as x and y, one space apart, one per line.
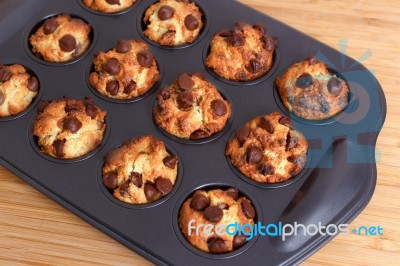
311 92
213 208
127 71
173 22
191 108
69 128
109 6
18 89
242 54
268 150
61 39
140 171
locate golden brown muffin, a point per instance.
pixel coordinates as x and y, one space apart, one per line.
140 171
125 72
242 54
192 108
173 22
61 39
109 6
268 150
212 208
17 89
69 128
310 91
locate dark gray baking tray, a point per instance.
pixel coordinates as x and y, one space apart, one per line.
336 186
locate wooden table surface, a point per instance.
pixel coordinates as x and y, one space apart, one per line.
36 231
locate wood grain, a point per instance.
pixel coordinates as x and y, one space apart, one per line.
36 231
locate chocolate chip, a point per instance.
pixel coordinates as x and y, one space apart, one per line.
284 120
170 161
42 105
72 107
213 214
291 141
248 209
226 33
242 75
59 147
33 84
150 191
124 190
191 22
304 81
236 39
164 185
312 60
268 43
200 75
165 12
185 82
233 193
266 169
218 107
91 110
266 124
112 66
185 100
2 98
261 28
72 124
50 26
242 134
110 180
199 134
130 87
199 202
67 43
136 179
254 66
145 59
238 241
217 245
335 86
239 26
112 87
113 2
5 74
164 93
123 46
254 155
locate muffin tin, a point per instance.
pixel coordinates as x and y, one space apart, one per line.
335 187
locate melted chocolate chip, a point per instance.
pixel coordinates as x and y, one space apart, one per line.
164 185
304 81
5 74
165 12
312 60
124 190
242 134
254 66
50 26
217 245
291 141
213 214
218 107
113 2
185 82
237 39
238 241
33 84
91 110
2 98
130 87
145 59
150 192
112 66
266 169
136 179
185 100
248 209
123 46
284 120
170 161
200 75
268 43
254 155
261 28
266 124
164 93
233 193
110 180
191 22
112 87
59 148
199 134
72 124
199 202
67 43
335 86
72 107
